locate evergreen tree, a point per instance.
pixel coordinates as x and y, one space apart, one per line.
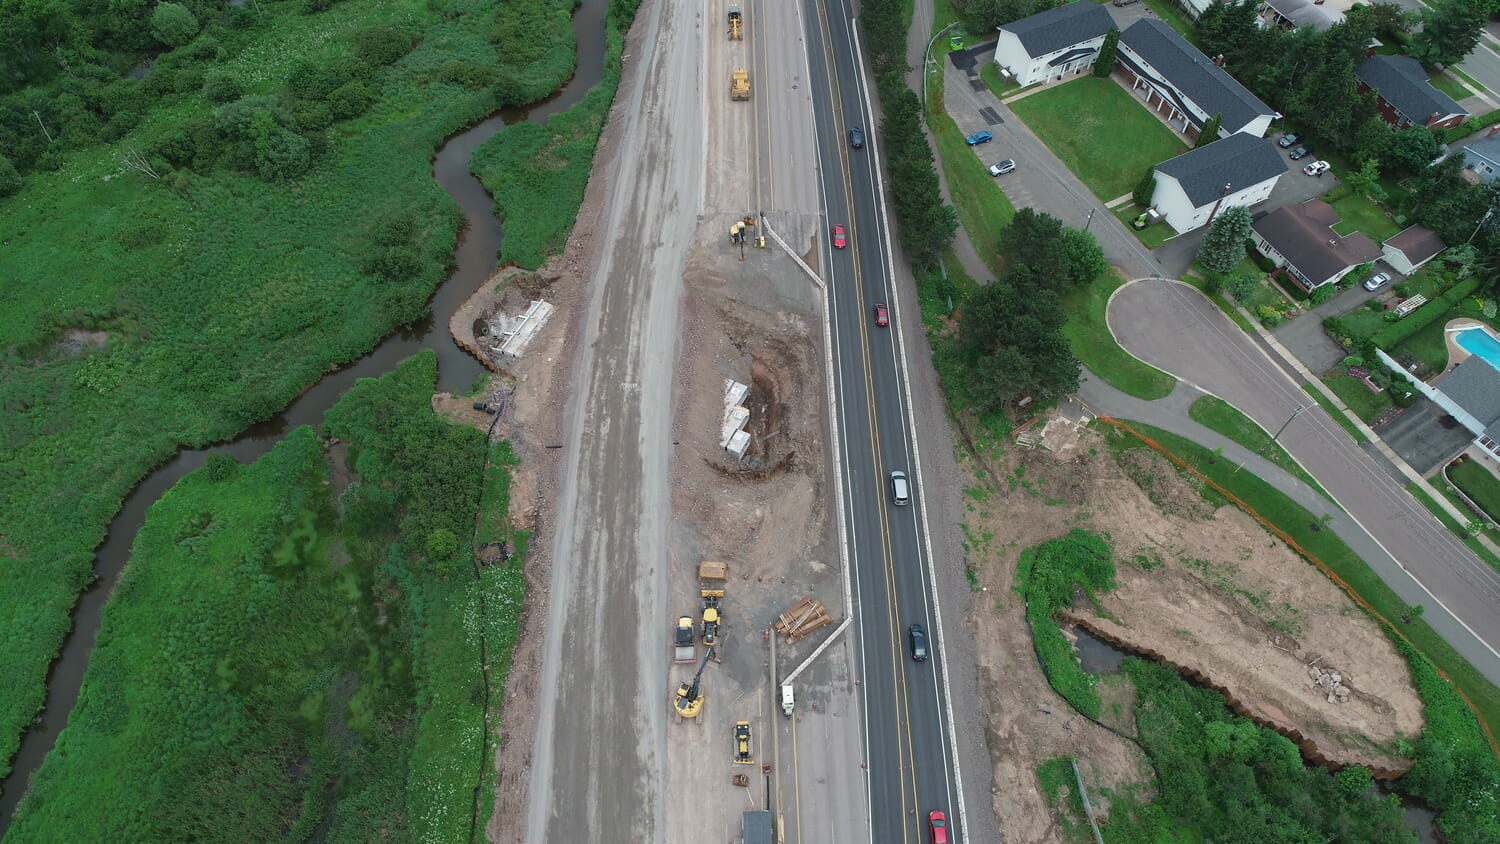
1104 63
1224 243
1210 131
1145 189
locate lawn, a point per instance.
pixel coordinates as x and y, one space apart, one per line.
982 207
1151 236
1359 398
1469 79
990 73
1358 213
1430 344
1095 346
1216 414
1479 483
1338 415
1173 16
1448 85
1105 135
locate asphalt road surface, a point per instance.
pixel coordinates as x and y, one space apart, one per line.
910 771
597 761
1175 328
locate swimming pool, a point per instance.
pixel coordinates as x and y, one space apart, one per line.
1478 342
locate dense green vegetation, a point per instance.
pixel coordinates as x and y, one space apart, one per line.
282 662
537 173
982 206
1221 772
1219 415
1089 335
1046 576
189 250
1460 773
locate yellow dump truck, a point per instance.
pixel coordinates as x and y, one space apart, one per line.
739 84
735 24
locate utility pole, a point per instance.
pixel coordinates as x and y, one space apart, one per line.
927 59
1295 414
1089 220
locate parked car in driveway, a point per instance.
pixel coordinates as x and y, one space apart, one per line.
980 137
1317 168
1000 168
1288 139
1300 153
1377 281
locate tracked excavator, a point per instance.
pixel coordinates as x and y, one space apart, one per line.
690 698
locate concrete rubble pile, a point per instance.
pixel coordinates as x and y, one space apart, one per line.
732 434
1331 681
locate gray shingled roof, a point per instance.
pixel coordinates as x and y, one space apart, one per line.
1474 386
1240 160
1193 73
1060 27
1313 13
1487 148
1401 82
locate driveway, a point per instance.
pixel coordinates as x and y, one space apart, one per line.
1175 328
1425 436
1304 334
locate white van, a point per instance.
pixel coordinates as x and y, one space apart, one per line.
900 489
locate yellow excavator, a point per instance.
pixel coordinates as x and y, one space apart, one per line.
690 698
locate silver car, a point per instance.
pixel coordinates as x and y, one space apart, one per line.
1377 281
1000 168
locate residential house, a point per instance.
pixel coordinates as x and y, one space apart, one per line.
1174 78
1301 240
1407 250
1404 96
1470 393
1483 157
1194 187
1052 44
1291 14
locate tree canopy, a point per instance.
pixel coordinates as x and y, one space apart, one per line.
1057 258
1223 244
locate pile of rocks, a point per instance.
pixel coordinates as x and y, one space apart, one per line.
1330 681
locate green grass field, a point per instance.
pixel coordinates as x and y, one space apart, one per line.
1095 346
1358 213
1104 135
1480 484
1450 86
1223 417
1338 415
1359 398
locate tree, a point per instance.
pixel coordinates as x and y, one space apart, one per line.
1450 31
1104 63
1010 342
1054 257
1210 131
1223 244
10 180
1225 28
1411 149
1145 189
173 25
1365 179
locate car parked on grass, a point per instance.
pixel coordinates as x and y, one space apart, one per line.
980 137
882 316
1377 281
1300 152
937 822
840 240
856 137
1000 168
1317 168
918 636
1288 139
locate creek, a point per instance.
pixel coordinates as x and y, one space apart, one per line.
474 260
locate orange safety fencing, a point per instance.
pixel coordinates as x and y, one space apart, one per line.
1310 557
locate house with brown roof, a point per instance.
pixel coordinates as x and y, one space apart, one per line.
1403 95
1407 250
1301 240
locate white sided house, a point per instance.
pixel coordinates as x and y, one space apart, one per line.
1412 247
1185 86
1053 44
1196 186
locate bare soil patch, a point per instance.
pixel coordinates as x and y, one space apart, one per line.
1208 588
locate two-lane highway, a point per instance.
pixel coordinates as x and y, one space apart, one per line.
911 769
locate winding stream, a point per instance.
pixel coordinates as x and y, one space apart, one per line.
475 259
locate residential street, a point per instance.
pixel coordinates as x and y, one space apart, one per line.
1175 328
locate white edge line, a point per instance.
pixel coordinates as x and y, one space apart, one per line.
957 786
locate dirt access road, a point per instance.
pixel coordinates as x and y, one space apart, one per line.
597 760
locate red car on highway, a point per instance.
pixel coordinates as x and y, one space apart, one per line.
839 240
937 825
882 316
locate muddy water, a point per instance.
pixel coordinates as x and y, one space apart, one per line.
457 371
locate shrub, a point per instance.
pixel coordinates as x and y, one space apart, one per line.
470 75
1392 336
1391 316
1268 315
1322 293
173 25
313 81
10 179
1403 290
351 100
1242 287
382 45
220 87
1354 360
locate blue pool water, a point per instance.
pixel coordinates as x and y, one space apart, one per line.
1478 342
